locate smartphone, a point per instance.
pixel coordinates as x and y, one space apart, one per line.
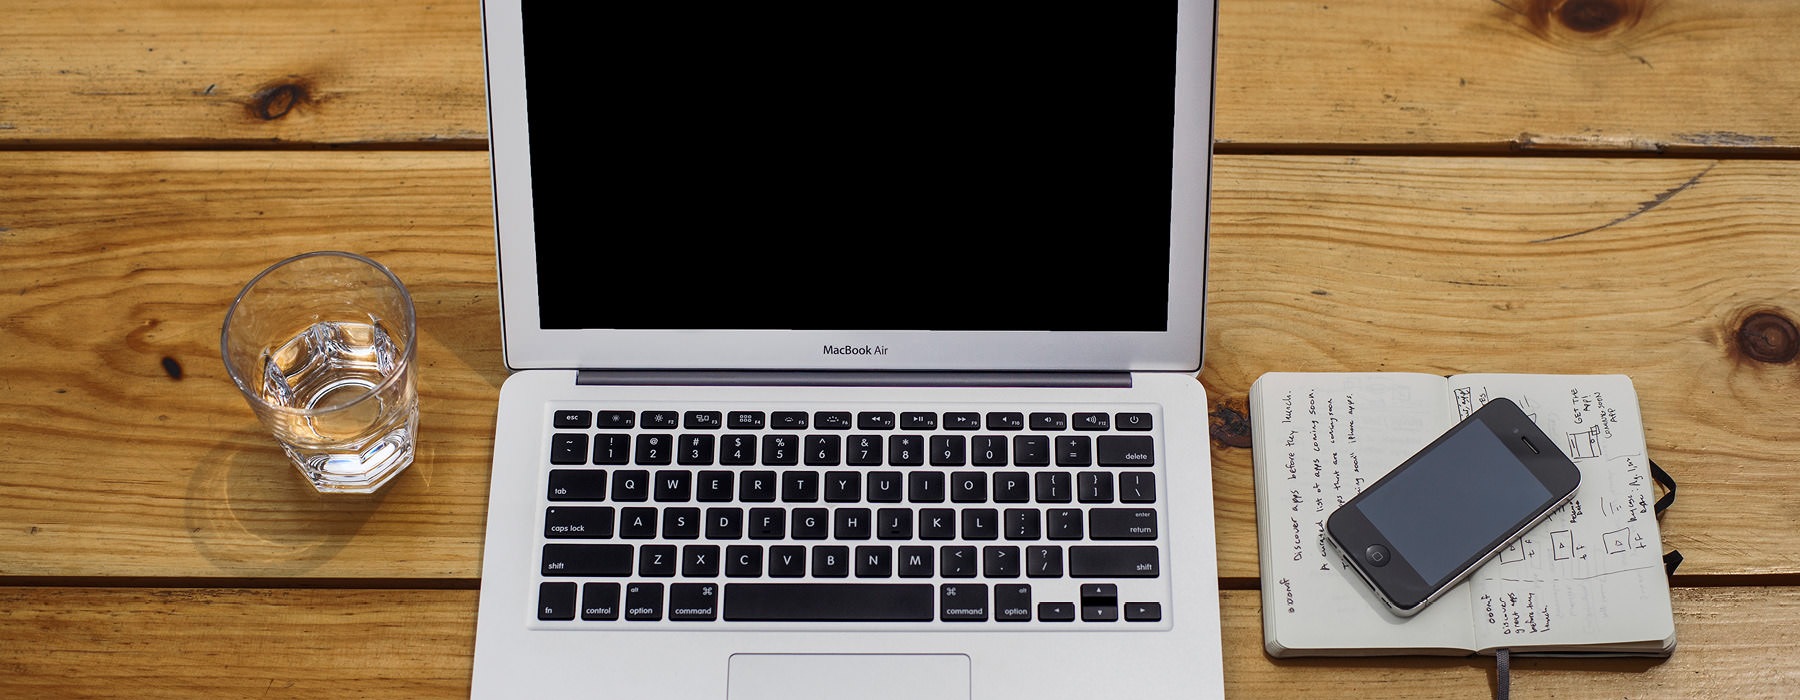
1445 511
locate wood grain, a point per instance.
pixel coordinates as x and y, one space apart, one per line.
112 262
306 643
1432 75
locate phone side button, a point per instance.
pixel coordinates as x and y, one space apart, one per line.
1378 555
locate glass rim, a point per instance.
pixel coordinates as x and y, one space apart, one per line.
406 357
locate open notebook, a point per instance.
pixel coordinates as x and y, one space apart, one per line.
1589 579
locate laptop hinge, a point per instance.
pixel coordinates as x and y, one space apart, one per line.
869 379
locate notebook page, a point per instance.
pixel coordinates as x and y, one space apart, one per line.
1591 573
1320 438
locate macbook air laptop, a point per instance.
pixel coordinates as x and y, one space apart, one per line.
855 350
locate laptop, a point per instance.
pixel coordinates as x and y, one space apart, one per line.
854 351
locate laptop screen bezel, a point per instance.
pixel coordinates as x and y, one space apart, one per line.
528 346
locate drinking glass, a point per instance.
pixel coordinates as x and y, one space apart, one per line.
321 345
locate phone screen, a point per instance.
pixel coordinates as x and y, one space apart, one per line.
1454 500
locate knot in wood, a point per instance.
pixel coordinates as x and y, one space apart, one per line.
277 100
1768 337
1595 16
1230 426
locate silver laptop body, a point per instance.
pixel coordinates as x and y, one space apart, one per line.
854 352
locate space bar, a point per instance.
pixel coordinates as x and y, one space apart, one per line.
829 602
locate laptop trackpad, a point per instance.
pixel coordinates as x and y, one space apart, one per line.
862 676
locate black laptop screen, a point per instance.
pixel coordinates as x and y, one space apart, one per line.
852 166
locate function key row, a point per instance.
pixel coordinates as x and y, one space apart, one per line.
845 420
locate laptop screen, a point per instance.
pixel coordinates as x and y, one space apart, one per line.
852 166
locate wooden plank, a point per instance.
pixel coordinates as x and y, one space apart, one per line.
1655 269
119 642
193 73
1434 75
112 262
1614 75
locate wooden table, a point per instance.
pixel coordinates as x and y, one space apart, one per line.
1437 185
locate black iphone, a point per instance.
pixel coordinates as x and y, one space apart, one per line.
1448 509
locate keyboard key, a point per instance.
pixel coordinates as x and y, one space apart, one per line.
980 524
1092 421
1122 524
1099 602
1143 612
743 560
780 450
631 485
875 420
757 487
885 487
693 601
695 450
702 420
612 448
659 420
1056 612
894 524
655 449
916 561
681 524
925 487
1137 487
1044 561
587 560
1094 487
962 421
851 524
637 523
1005 420
832 420
571 419
1063 524
556 600
1138 561
968 487
1125 450
643 601
988 451
615 419
581 522
656 560
1133 421
863 451
823 450
569 448
957 561
767 524
1012 487
1031 450
599 601
744 420
577 485
918 421
1049 421
737 450
788 420
787 561
946 450
801 487
1074 451
829 602
811 523
1012 602
843 487
937 524
713 486
673 486
830 561
724 523
963 602
906 450
1000 562
1055 487
874 561
1022 524
698 561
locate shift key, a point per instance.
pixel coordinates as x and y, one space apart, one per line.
1139 561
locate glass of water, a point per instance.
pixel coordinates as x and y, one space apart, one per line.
321 345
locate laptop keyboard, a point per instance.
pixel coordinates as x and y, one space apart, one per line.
852 517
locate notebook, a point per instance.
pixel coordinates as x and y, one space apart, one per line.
854 352
1588 580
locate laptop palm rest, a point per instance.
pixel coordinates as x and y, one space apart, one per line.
863 676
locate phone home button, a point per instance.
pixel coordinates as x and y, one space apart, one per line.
1377 555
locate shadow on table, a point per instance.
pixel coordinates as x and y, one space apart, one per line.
251 513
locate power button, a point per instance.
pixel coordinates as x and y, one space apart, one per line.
1377 555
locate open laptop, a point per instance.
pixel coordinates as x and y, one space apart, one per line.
855 350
